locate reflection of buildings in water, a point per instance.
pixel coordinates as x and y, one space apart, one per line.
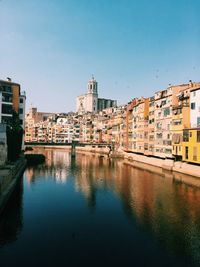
56 166
11 221
92 177
29 175
61 176
84 181
56 157
158 202
161 204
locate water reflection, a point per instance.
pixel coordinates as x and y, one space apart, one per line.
163 206
166 208
160 204
56 166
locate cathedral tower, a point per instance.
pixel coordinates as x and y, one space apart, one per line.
92 86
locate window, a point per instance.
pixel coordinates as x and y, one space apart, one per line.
6 89
198 121
177 122
159 135
6 97
21 111
185 135
190 134
166 112
179 110
6 109
186 152
193 105
21 100
198 136
195 153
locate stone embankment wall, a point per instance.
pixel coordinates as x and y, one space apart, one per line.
101 150
3 144
149 163
164 164
9 176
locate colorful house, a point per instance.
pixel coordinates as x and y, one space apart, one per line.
191 137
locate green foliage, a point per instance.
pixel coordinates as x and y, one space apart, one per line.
14 137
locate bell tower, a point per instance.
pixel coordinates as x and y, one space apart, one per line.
92 96
92 86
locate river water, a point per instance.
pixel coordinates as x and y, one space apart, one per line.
93 211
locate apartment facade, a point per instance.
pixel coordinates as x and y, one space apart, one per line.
11 99
151 126
191 136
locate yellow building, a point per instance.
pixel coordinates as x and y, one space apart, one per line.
180 121
181 117
191 145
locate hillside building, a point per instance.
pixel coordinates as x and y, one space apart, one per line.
90 102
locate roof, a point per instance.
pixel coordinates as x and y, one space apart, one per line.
195 89
9 82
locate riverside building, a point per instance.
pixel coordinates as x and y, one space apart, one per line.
191 136
166 125
35 124
11 99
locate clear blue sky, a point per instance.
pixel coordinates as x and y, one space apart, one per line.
133 47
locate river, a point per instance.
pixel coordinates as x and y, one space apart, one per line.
94 211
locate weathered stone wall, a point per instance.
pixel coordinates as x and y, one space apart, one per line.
3 144
153 164
8 179
93 149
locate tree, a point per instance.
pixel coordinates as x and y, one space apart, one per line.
14 134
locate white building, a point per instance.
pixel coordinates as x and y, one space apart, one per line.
90 102
195 108
22 106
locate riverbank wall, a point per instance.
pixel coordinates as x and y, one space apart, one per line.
94 149
147 162
9 175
